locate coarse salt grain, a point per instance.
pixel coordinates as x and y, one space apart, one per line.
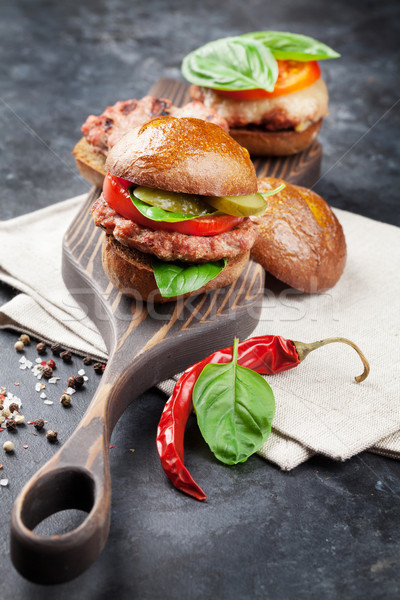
9 399
70 391
22 367
4 482
29 364
38 360
22 359
81 372
38 387
53 379
85 378
43 395
48 402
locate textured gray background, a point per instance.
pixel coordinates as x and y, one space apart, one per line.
325 530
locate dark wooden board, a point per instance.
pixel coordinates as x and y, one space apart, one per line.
147 343
301 169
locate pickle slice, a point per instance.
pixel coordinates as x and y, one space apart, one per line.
187 204
239 206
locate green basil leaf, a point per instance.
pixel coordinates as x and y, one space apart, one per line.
232 63
158 214
234 407
293 46
174 279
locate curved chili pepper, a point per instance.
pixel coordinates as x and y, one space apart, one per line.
267 354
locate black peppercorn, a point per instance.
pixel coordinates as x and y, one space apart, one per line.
38 424
13 407
98 367
52 435
66 356
56 348
87 360
11 424
79 381
47 372
71 382
41 348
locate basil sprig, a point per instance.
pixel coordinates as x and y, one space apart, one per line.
156 213
234 407
174 279
248 61
293 46
232 63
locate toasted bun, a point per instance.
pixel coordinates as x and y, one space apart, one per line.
183 155
130 272
90 163
260 142
301 242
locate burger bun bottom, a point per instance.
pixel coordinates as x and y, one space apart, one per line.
130 271
260 142
90 163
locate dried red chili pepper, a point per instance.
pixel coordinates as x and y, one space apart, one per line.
268 355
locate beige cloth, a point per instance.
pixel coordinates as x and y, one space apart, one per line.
320 408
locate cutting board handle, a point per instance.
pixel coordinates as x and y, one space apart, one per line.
77 477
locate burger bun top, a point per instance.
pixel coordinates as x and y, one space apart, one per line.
183 155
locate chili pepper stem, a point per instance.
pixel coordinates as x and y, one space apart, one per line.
303 350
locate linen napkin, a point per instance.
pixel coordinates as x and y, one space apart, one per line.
320 408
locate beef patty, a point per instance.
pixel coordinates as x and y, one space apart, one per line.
171 246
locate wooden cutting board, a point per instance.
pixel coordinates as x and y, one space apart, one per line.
146 344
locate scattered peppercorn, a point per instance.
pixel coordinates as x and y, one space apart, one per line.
41 348
52 435
47 372
13 407
66 356
51 363
87 360
8 446
38 424
98 367
6 412
11 424
1 406
56 349
19 346
79 381
25 339
71 382
65 400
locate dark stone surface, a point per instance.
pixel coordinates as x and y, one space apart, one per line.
324 530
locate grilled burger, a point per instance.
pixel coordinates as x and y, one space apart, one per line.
175 209
267 85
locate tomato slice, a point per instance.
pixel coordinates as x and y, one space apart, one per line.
293 76
115 192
